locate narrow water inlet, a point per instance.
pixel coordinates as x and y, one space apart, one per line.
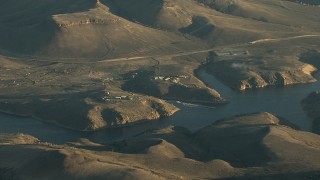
284 102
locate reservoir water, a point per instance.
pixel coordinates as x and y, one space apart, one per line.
284 102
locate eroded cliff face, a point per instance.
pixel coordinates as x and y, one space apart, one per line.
173 87
250 74
92 112
255 146
263 79
252 67
76 30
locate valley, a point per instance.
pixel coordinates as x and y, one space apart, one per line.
166 89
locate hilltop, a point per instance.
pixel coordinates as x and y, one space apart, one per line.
254 146
102 55
91 65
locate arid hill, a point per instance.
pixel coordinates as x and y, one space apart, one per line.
89 65
245 147
78 29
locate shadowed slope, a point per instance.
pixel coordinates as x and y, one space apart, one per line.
85 29
223 21
173 153
26 26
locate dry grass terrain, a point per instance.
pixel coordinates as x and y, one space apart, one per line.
99 56
246 147
88 65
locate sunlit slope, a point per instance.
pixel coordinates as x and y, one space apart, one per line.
27 26
223 21
123 28
78 29
256 146
273 12
242 20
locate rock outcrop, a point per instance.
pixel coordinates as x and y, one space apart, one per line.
93 112
172 87
251 74
252 146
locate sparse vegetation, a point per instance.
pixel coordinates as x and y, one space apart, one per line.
89 65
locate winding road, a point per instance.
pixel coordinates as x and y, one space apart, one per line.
134 58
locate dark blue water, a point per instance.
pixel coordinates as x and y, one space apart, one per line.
284 102
281 101
59 135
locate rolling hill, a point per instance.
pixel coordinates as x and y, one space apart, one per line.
91 65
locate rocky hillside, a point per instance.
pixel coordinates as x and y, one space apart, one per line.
77 29
307 2
254 146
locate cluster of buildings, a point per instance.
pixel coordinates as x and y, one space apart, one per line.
108 97
174 79
235 52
